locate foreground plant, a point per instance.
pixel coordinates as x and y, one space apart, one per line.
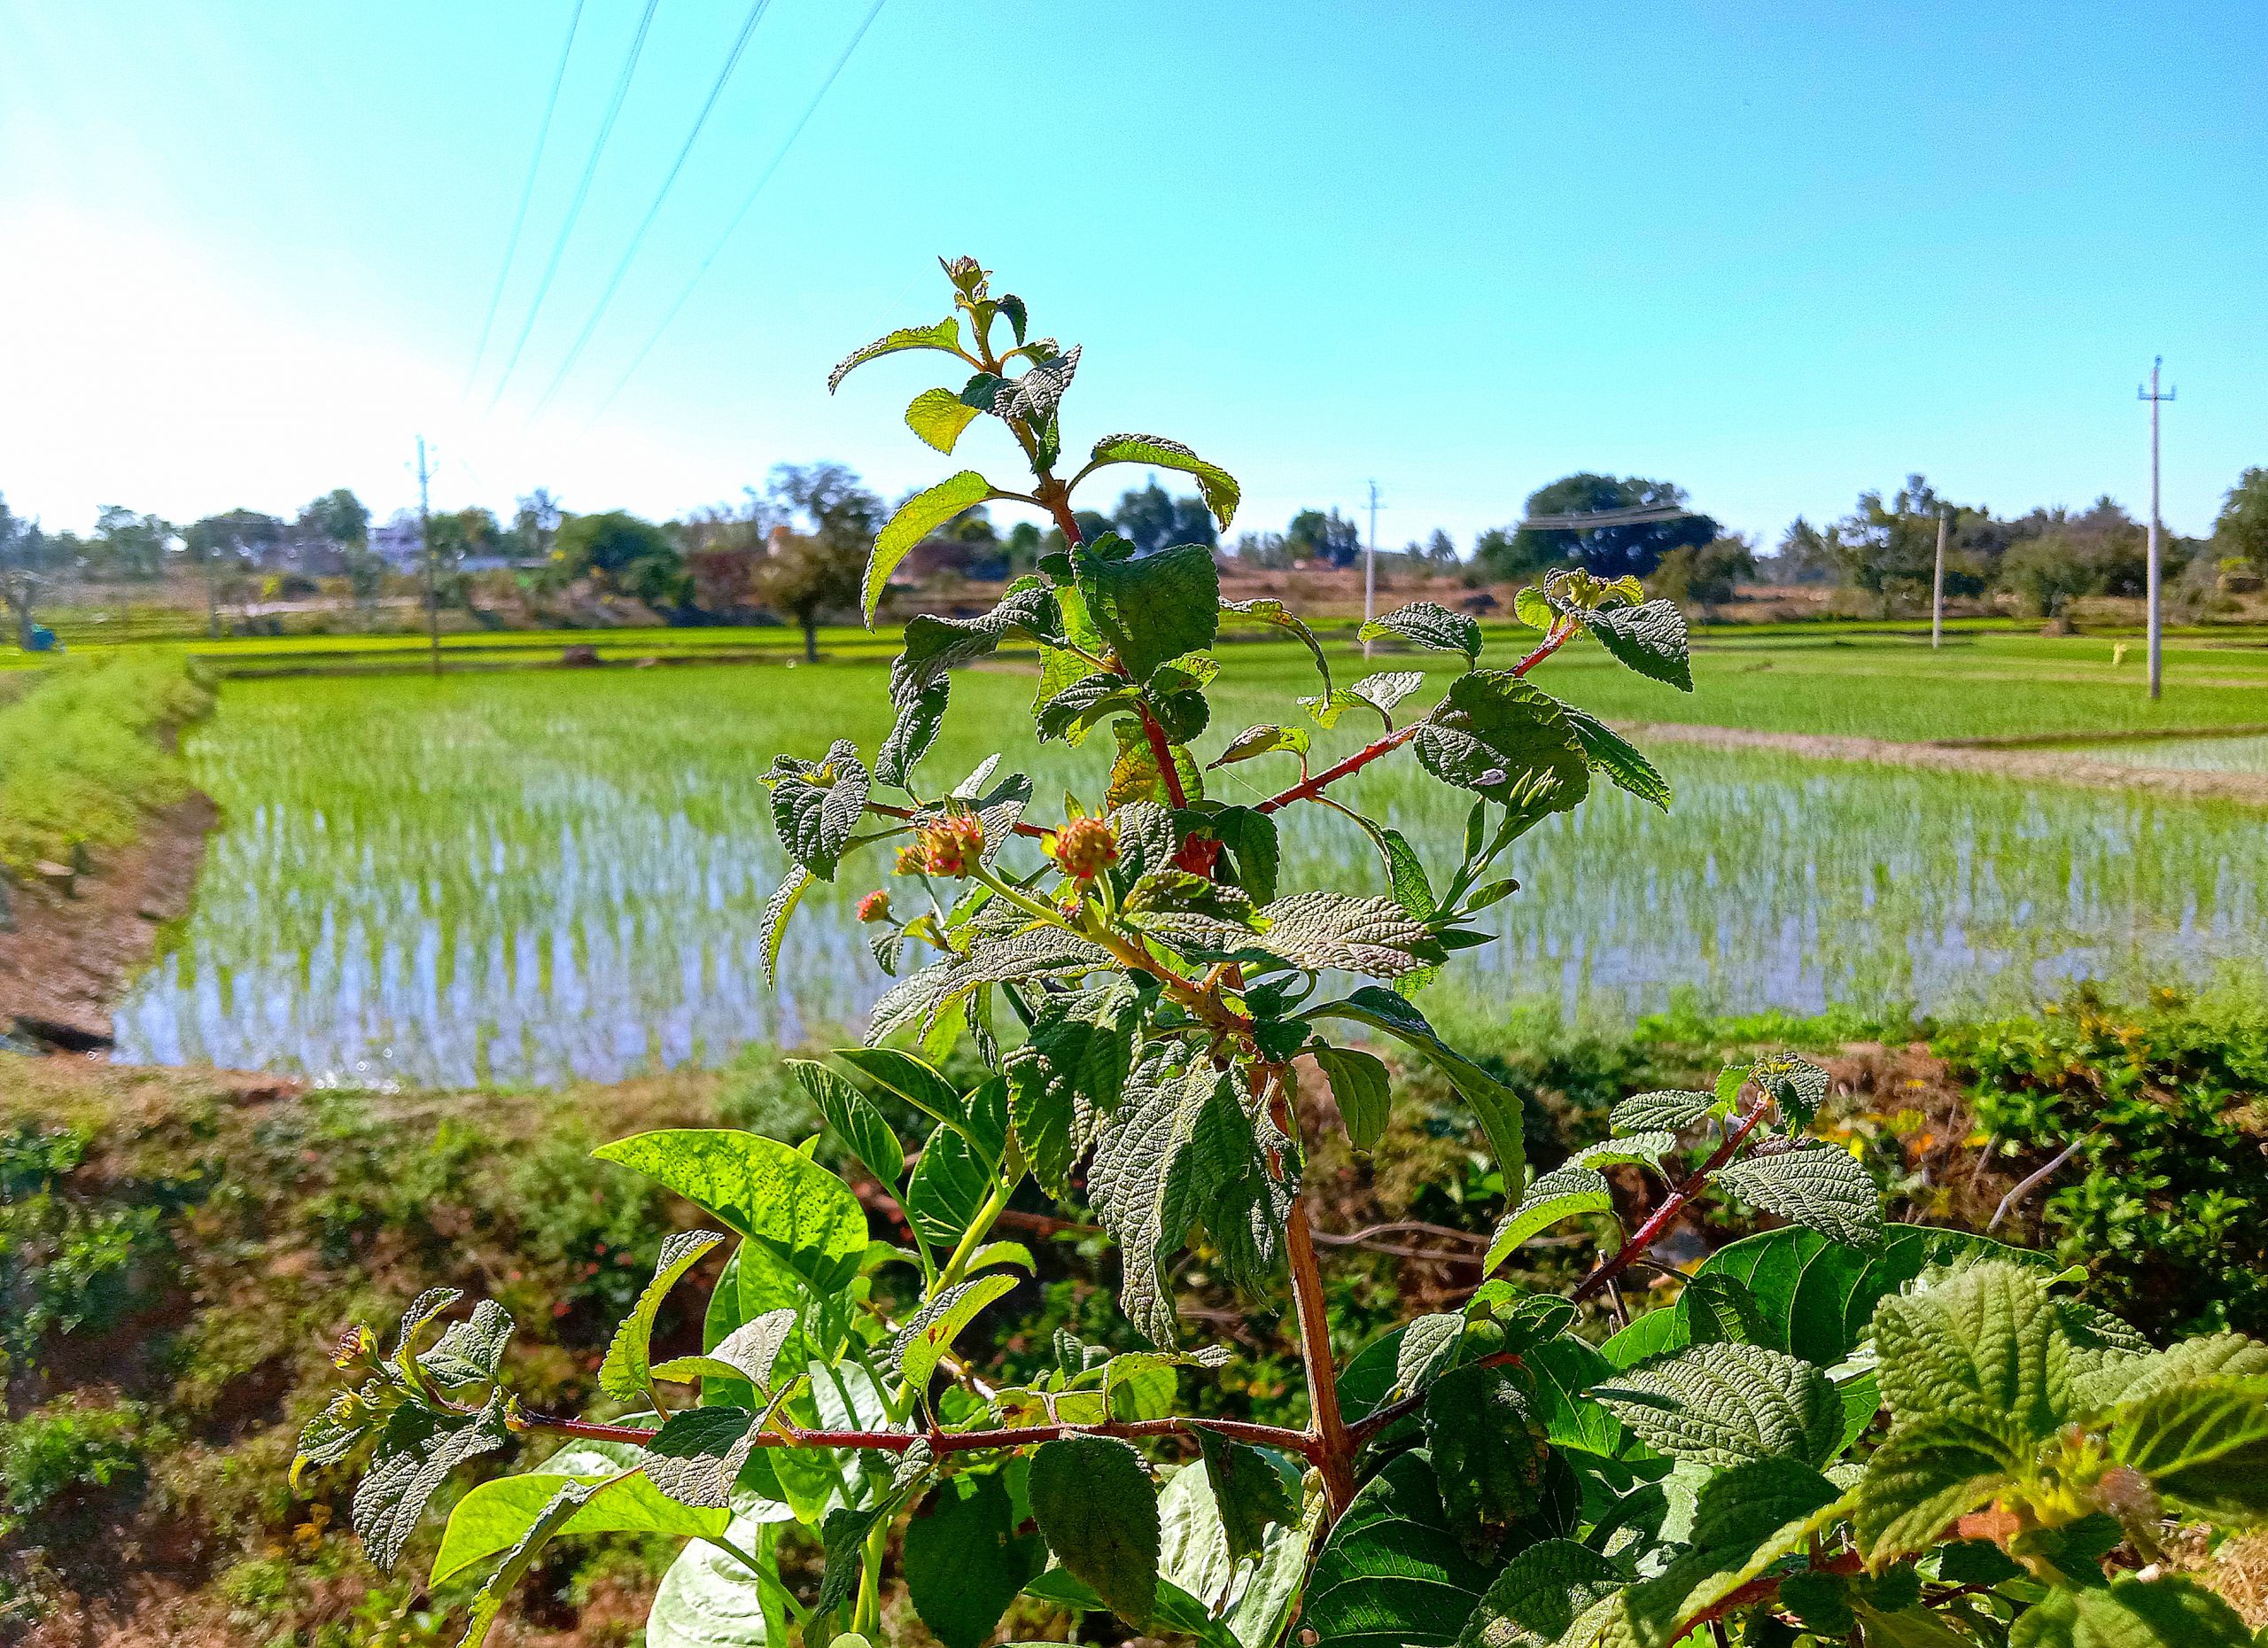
1838 1432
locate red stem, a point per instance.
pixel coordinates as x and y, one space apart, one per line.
959 1441
889 811
1650 1231
1369 1426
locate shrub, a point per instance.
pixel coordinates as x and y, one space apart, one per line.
62 1451
1838 1429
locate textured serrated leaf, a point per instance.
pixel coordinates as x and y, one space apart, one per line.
935 645
1498 736
1250 1493
856 1122
1565 1192
566 1501
1355 934
1080 1051
1386 688
1098 1513
931 1331
963 1562
1135 777
1668 1110
470 1351
696 1455
920 516
1797 1086
1428 624
911 734
1649 639
1265 739
1931 1471
816 806
938 416
1038 952
1988 1341
415 1451
627 1370
1362 1090
1135 1152
1034 396
2172 1612
1726 1403
1535 1602
1070 713
1392 1574
1217 487
1745 1520
944 334
1268 609
777 912
1488 1449
1720 1309
493 1516
1152 608
744 1356
1817 1186
2204 1443
765 1191
1429 1346
1608 751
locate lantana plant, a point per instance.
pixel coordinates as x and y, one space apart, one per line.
1835 1432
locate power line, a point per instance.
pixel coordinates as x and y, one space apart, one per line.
582 192
638 236
527 194
746 206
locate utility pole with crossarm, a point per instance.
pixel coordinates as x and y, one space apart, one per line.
2156 624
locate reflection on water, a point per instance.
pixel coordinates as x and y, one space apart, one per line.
2232 754
524 880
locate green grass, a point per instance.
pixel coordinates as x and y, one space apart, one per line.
522 877
80 758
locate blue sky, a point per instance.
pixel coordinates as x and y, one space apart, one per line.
1776 253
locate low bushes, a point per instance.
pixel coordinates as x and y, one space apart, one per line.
85 752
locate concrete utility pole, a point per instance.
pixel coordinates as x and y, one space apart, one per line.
2157 628
425 548
1371 569
1937 586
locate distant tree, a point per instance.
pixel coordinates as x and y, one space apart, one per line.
1500 553
1889 548
2107 551
1440 549
1612 551
1022 548
1316 536
1805 556
29 560
2240 531
1145 519
536 520
632 556
1192 522
224 546
339 519
1265 551
2045 572
816 572
1707 574
128 545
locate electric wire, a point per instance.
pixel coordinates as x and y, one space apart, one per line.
527 194
638 236
747 205
582 192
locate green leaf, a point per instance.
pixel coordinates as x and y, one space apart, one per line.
1933 1471
1907 1628
1609 752
1429 625
2173 1612
1816 1185
1217 484
901 1073
964 1562
743 1358
493 1515
1818 1296
1745 1520
1664 1111
1079 1052
1497 1107
1649 639
1720 1309
856 1122
1171 1607
816 806
1564 1370
1495 735
920 516
1134 775
1565 1192
1429 1347
1488 1451
935 645
1388 688
709 1599
471 1350
1361 1088
944 334
1265 739
2204 1445
769 1192
948 1184
415 1451
1152 608
698 1452
1987 1341
1093 697
1268 609
1098 1514
627 1372
930 1333
1322 930
1541 1594
1249 1493
911 734
567 1501
938 416
777 912
2129 1379
1724 1404
1392 1574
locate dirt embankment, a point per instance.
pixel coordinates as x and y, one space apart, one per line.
71 954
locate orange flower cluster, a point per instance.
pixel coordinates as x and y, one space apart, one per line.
875 905
1084 848
950 845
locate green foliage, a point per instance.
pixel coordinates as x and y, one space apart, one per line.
54 1456
1113 1008
82 756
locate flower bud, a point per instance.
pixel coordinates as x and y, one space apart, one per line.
1085 848
951 845
875 905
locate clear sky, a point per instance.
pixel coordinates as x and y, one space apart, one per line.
1776 253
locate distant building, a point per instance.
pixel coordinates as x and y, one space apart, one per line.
398 543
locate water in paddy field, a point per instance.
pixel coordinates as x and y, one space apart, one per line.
2230 754
535 878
